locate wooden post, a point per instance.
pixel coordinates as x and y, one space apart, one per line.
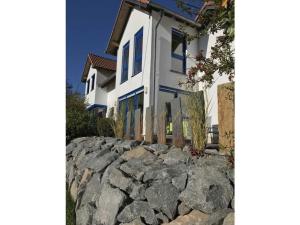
128 124
178 139
226 117
161 125
138 125
149 125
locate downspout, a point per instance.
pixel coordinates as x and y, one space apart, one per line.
154 63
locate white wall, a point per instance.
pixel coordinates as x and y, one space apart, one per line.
90 97
136 21
98 95
206 43
164 75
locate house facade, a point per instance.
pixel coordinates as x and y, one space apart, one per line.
152 58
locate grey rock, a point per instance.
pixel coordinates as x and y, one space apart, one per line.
163 197
211 151
175 156
79 140
137 209
229 219
208 190
128 144
183 209
134 167
157 149
84 215
102 162
137 191
109 203
117 179
218 217
70 147
134 222
180 182
232 203
161 218
91 192
230 174
216 161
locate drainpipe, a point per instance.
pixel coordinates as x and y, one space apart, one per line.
154 63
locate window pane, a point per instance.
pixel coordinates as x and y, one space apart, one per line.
93 82
88 87
124 75
138 50
177 65
177 44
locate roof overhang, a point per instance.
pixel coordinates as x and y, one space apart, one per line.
123 16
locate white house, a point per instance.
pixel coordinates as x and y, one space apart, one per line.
153 56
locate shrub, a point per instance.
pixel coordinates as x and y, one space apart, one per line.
118 125
79 122
105 127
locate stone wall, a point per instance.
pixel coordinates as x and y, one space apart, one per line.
117 181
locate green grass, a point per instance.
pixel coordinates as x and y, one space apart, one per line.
70 209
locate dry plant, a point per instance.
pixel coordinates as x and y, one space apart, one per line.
178 139
118 125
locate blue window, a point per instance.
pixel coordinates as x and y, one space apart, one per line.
138 52
93 82
125 57
88 86
178 51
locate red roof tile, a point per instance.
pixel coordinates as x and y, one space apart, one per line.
101 62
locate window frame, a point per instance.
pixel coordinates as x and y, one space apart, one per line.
93 82
139 35
177 56
123 78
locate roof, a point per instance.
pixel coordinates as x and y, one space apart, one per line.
206 6
145 6
97 62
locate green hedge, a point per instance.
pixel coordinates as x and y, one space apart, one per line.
105 127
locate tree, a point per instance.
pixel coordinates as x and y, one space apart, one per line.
219 17
79 122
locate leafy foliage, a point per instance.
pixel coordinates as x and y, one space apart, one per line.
221 61
79 122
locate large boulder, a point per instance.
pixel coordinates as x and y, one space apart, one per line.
208 190
134 168
218 217
117 179
136 210
176 156
109 203
136 153
193 218
229 219
100 163
134 222
84 215
157 149
163 197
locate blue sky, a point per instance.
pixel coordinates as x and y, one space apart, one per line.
89 25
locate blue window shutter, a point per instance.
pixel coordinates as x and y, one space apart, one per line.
138 52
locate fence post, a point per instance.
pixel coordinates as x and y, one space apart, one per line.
138 125
226 117
177 133
149 125
161 128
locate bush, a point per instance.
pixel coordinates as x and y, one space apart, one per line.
79 122
105 127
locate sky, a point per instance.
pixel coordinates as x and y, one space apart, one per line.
89 24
